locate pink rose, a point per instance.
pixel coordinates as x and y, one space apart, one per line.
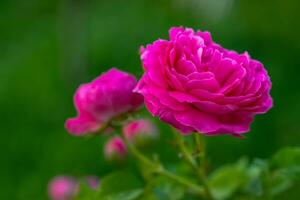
62 188
115 149
107 96
139 131
195 84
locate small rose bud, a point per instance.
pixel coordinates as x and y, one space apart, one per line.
62 188
108 131
92 181
140 131
115 149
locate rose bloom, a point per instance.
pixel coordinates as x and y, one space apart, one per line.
140 131
97 102
115 149
62 188
196 85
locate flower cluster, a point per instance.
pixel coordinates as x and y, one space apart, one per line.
105 98
189 82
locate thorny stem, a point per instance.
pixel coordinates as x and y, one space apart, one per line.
200 147
159 169
199 169
139 155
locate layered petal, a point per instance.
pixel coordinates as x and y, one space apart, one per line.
108 96
195 84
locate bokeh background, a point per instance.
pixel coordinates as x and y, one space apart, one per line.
49 47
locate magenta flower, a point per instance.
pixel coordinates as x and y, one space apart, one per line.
62 188
107 96
115 149
196 85
139 131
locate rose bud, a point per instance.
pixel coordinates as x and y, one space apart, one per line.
196 85
140 132
108 96
92 181
62 188
115 149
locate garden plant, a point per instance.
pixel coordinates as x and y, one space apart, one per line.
198 89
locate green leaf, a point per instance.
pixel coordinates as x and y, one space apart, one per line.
168 190
283 179
286 157
161 188
120 185
226 180
280 183
148 196
127 195
285 168
86 193
255 172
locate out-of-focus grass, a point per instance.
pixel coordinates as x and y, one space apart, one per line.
49 47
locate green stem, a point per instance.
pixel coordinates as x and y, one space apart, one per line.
182 181
200 170
201 151
201 148
139 155
184 150
159 169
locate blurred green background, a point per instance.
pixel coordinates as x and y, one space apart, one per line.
49 47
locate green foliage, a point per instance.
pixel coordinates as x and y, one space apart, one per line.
165 189
285 166
115 186
288 157
273 177
226 180
87 193
255 171
120 184
260 179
